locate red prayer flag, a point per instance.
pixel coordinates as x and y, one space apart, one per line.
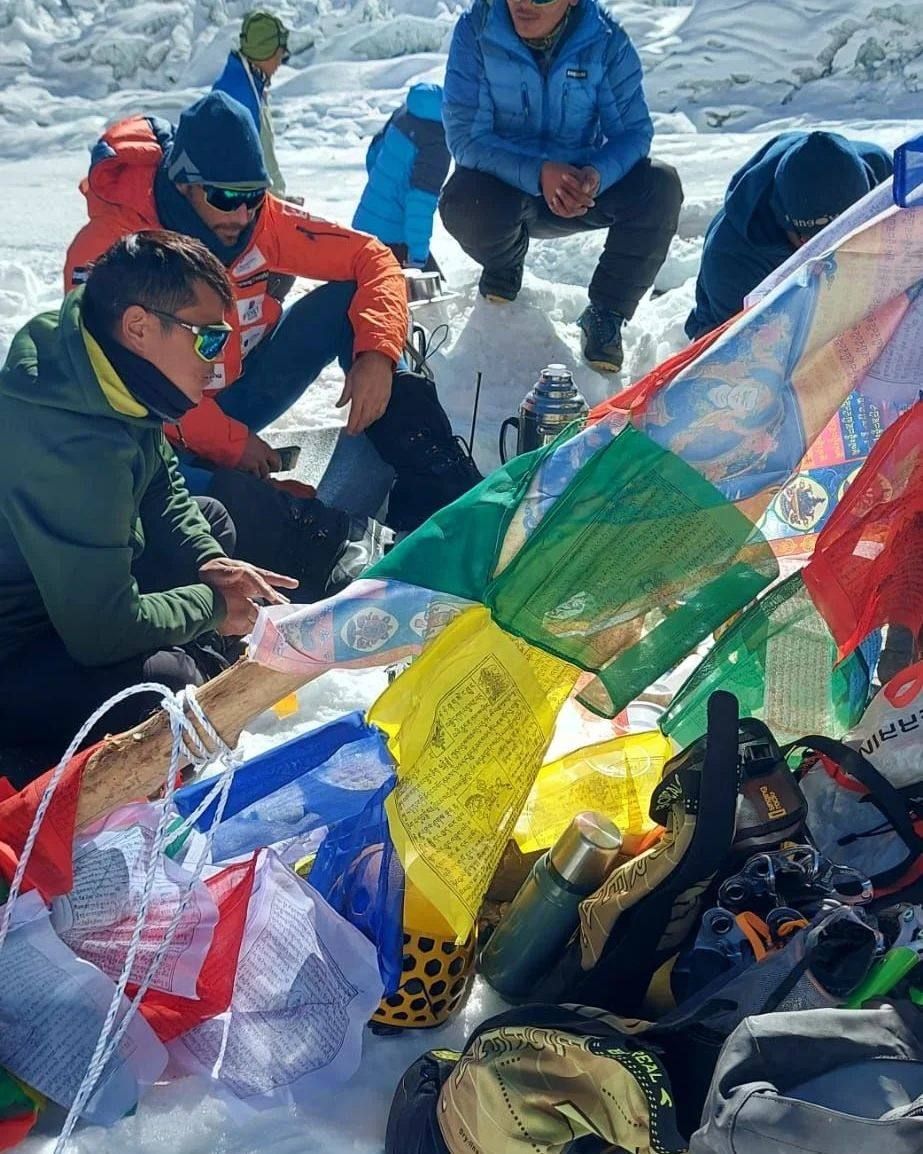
51 868
14 1130
170 1015
867 567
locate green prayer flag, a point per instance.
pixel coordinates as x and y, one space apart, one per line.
778 661
636 562
455 549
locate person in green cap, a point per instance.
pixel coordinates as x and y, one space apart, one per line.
248 75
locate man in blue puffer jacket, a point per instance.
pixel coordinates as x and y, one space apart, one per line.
407 163
785 193
546 119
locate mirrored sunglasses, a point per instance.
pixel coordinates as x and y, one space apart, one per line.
209 339
230 199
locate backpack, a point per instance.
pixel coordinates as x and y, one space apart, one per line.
824 1081
865 793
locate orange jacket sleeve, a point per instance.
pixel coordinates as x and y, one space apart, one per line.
320 250
209 432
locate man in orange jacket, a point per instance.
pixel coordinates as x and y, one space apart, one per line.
207 179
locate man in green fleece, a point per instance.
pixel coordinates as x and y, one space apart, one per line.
110 573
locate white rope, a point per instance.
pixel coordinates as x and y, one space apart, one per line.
51 787
195 751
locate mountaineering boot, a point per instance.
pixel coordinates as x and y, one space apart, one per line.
602 338
323 548
644 911
415 437
367 541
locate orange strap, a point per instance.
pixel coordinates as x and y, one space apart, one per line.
756 932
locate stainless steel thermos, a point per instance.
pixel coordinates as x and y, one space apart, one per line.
545 912
552 403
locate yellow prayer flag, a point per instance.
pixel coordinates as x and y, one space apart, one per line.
615 777
468 725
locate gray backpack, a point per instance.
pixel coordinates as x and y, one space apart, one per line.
823 1081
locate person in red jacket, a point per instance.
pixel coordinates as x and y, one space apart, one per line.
207 179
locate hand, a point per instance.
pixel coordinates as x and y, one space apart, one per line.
258 458
241 585
563 189
590 180
417 264
368 387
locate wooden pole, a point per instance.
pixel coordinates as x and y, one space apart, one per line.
132 765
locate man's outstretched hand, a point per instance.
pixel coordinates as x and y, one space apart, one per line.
367 389
242 585
568 191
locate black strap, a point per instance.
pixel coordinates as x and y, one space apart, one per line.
885 796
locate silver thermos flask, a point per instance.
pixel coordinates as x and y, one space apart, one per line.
552 403
546 910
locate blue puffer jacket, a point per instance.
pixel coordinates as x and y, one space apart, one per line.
747 239
236 82
407 164
504 116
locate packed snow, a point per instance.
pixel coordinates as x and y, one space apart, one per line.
722 77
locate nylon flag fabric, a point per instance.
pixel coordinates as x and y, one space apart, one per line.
867 568
50 869
614 777
455 550
638 544
745 412
305 987
778 660
807 501
97 919
636 396
554 471
52 1006
297 789
170 1015
371 623
358 874
468 725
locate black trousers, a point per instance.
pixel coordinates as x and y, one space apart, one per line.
45 695
493 222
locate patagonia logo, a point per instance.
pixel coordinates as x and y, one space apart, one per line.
577 74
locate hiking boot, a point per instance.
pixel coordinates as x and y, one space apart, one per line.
440 471
367 541
414 436
602 338
500 288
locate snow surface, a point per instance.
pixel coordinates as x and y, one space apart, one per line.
722 77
